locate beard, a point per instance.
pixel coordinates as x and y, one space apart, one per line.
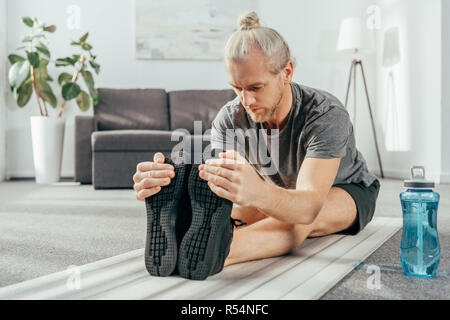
264 115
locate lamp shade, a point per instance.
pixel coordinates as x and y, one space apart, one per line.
354 36
391 52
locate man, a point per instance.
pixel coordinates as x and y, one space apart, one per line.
321 185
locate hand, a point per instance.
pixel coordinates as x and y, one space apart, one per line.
151 176
233 178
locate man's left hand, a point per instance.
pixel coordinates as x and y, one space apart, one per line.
233 178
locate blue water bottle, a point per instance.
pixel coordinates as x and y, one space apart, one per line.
419 250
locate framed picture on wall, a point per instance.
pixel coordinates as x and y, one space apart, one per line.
191 30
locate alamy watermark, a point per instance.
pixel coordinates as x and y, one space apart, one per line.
373 17
74 18
257 146
374 281
73 281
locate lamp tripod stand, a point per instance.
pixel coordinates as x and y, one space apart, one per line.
355 63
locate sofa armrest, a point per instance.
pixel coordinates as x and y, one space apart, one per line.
84 127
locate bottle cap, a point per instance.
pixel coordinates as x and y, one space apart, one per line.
418 178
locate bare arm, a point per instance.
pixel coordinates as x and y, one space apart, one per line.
232 178
303 204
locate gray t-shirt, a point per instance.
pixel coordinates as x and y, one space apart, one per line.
318 127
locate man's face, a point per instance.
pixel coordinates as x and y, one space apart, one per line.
259 90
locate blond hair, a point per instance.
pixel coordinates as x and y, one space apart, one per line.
251 34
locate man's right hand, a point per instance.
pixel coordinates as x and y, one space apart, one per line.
151 176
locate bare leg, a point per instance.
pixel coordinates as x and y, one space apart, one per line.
270 237
249 215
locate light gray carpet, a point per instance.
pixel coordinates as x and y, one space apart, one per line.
46 229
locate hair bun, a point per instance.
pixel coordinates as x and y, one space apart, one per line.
249 21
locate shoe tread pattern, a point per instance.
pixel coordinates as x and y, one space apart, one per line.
199 246
161 246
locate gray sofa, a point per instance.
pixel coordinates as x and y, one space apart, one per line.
130 125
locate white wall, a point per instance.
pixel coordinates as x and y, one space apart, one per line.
3 88
418 83
445 176
310 27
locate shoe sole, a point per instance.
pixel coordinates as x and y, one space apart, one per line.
162 210
202 242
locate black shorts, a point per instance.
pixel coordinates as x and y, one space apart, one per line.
365 199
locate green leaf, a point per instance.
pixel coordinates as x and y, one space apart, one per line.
74 43
18 73
64 77
44 62
33 58
43 49
27 39
86 46
75 57
95 66
23 93
28 21
70 90
83 101
61 62
13 58
49 78
84 37
41 73
89 80
46 92
51 28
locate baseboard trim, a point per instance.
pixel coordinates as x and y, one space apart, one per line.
405 175
393 174
30 176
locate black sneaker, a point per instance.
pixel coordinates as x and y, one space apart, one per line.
167 216
206 243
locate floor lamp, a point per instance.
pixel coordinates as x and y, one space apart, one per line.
353 38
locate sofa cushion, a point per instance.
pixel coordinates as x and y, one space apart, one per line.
132 109
188 106
135 140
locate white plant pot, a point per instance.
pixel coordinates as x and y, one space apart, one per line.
47 135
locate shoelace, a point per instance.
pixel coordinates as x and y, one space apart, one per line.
235 224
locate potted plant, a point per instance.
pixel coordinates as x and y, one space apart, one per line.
28 74
68 82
